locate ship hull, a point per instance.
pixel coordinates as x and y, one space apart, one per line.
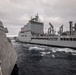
66 44
8 55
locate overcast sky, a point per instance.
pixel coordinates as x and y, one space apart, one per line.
15 13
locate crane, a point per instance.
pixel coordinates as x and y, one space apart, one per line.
51 29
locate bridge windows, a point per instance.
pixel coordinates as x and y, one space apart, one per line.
23 35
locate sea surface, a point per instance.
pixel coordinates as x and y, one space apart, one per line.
44 60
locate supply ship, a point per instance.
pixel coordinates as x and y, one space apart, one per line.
33 32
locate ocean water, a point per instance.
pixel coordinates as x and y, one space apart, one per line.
44 60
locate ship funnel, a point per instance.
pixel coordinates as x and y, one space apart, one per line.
70 27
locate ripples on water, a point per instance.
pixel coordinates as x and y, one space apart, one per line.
43 60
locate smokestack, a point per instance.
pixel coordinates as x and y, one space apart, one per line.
70 27
75 26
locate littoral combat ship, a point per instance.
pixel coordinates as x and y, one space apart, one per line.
8 55
33 32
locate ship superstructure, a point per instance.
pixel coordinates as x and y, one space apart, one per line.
33 32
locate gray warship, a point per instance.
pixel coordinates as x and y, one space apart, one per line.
8 55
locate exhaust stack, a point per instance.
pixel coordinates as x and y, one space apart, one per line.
70 27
